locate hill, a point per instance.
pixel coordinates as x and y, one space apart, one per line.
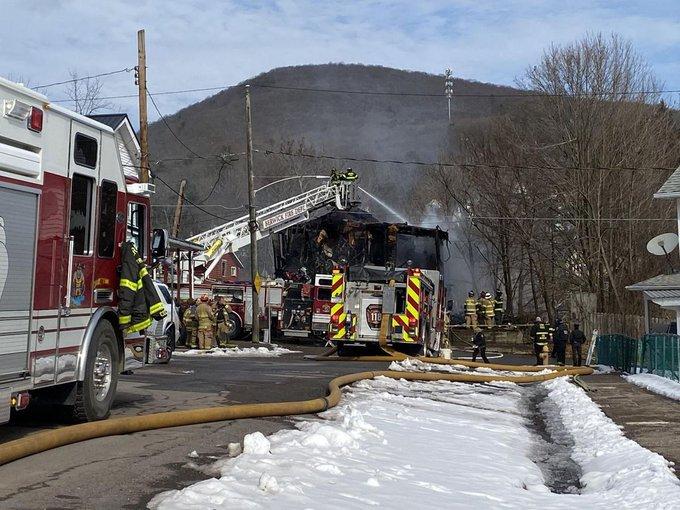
369 126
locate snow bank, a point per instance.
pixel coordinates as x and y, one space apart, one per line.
415 365
237 352
656 384
395 444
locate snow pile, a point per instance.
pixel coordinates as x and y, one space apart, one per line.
396 444
237 352
656 384
604 369
415 365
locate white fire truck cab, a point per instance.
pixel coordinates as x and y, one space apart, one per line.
66 205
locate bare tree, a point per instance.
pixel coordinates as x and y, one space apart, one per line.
86 94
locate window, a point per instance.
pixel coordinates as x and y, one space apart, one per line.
81 213
166 293
85 151
136 226
108 193
233 271
224 268
323 294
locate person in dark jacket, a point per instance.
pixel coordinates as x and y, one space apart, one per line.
560 338
577 339
479 342
138 297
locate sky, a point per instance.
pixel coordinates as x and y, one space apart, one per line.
196 44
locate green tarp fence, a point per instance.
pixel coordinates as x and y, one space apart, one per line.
654 353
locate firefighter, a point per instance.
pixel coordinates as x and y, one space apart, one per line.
488 310
480 308
471 310
190 323
499 308
479 342
222 320
206 318
560 337
350 175
336 176
577 339
541 336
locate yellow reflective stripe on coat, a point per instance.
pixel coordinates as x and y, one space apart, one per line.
128 284
139 326
124 319
143 272
156 308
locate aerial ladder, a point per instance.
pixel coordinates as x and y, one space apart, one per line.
235 234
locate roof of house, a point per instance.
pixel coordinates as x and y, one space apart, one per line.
670 188
113 120
658 283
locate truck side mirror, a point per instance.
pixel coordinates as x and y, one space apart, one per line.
159 243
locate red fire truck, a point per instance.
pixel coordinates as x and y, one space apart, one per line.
66 204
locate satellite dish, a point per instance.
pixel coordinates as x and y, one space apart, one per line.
663 244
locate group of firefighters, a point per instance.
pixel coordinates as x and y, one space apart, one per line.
542 335
485 310
206 322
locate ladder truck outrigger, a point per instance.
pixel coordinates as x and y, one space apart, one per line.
66 205
234 235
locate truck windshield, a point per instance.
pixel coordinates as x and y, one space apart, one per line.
420 250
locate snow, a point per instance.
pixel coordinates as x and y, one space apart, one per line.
193 454
398 444
237 352
415 365
657 384
603 369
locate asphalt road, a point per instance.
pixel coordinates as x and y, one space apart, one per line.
127 471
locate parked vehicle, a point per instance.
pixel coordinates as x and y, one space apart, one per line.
170 327
66 205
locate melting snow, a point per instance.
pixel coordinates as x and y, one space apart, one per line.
398 444
237 352
656 384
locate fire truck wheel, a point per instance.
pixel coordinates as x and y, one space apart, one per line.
95 394
234 328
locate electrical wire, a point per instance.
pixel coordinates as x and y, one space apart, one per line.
153 101
110 73
156 176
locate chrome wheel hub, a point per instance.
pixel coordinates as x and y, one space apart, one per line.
102 373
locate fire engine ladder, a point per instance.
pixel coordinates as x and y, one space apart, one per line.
235 234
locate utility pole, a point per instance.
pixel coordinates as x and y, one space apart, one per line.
252 221
143 123
448 88
178 209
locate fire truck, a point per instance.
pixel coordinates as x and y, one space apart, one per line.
66 204
398 298
306 307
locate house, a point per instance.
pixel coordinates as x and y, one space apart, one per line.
128 144
229 269
664 289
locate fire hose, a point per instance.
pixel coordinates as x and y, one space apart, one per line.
50 439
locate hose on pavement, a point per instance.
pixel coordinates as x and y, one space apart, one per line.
50 439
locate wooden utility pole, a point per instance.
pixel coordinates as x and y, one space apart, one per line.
178 209
252 221
143 123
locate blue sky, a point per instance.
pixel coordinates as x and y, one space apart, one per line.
193 43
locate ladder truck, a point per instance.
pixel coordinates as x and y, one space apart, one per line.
235 234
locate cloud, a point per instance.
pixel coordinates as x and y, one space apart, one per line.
195 43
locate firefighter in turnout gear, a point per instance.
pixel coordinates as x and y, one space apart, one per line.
499 308
540 335
480 308
206 319
488 304
222 320
350 175
471 310
139 301
191 324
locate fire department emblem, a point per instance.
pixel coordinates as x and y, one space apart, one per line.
373 316
78 292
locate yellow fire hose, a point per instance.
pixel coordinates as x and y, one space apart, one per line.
43 441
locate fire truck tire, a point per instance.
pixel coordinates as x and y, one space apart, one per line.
95 394
236 330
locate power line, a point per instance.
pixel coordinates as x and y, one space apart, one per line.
453 165
124 70
153 101
189 201
526 94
